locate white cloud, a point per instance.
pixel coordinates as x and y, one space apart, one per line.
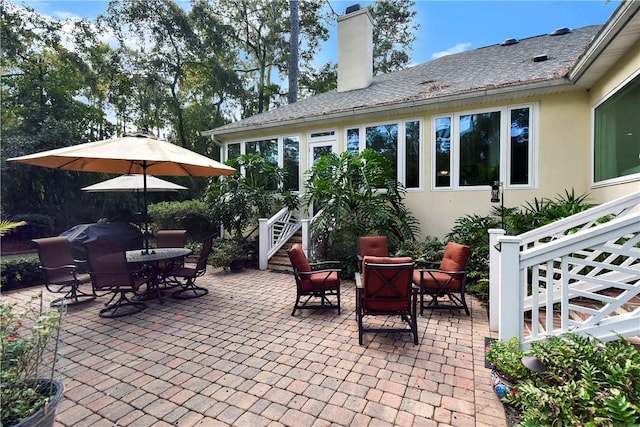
460 47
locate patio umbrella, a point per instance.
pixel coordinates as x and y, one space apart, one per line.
128 183
130 154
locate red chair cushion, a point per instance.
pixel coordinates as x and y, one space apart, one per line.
323 280
376 291
455 257
299 259
374 245
435 280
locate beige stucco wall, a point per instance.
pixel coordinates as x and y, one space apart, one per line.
563 153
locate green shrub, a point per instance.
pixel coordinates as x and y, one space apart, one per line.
586 382
20 271
36 226
190 215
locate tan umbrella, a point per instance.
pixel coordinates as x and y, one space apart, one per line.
127 183
130 154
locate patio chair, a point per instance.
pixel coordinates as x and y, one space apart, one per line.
110 272
449 280
314 280
384 289
371 245
186 276
171 238
61 272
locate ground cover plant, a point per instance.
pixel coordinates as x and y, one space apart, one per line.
586 382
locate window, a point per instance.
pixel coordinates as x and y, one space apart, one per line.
617 134
478 148
281 151
397 142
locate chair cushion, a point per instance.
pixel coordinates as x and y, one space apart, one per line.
373 284
373 245
322 280
299 259
434 280
455 257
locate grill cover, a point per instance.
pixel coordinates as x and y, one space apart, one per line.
127 235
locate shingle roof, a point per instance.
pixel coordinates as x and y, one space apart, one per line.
471 72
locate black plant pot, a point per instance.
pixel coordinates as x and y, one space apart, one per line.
237 265
46 415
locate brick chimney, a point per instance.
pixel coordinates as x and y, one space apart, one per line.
355 49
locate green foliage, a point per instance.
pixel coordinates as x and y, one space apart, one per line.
35 226
425 253
506 356
25 335
224 251
190 215
253 192
395 31
20 271
356 195
473 230
586 382
7 227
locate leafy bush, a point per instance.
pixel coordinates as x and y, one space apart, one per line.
357 195
19 272
36 226
190 215
586 382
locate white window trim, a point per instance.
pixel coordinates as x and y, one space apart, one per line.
621 179
402 148
505 151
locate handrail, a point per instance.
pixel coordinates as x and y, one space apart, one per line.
604 256
275 232
582 220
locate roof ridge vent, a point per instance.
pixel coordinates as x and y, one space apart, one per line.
540 58
509 42
560 31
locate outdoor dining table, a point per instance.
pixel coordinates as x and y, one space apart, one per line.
152 259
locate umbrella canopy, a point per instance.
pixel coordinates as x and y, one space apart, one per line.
133 154
130 154
128 183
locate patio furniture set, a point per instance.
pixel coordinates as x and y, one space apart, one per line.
385 285
112 270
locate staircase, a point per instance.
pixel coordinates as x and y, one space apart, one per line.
280 261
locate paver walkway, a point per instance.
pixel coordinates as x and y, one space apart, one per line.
237 357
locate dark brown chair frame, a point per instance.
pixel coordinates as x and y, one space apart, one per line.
61 271
444 280
314 280
171 239
396 295
110 271
186 276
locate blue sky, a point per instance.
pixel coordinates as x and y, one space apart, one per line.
445 26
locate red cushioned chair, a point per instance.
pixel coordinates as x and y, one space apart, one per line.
449 280
371 245
314 281
385 289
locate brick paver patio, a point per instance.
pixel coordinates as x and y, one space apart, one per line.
237 357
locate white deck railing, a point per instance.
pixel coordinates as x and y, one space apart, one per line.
591 268
275 232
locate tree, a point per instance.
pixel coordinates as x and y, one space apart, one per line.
292 95
393 35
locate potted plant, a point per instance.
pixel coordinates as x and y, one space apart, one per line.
507 367
228 254
29 337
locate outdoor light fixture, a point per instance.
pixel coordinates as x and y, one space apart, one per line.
495 192
497 196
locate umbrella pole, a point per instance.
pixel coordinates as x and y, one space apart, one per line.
144 195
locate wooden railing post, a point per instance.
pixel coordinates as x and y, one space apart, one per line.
510 321
494 278
263 243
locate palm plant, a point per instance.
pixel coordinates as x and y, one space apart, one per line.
356 195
